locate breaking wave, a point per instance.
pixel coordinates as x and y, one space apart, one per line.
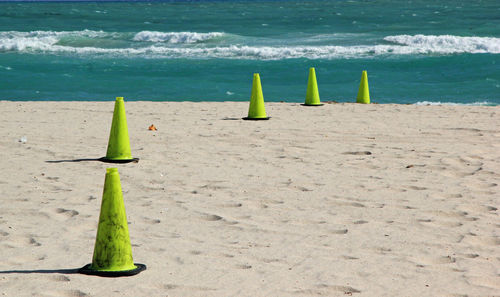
151 44
176 37
447 44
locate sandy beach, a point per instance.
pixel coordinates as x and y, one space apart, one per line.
338 200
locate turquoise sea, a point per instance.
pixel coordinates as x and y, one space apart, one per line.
415 51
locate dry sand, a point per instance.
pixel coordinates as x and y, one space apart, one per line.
339 200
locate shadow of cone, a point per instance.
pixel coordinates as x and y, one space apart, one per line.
257 110
364 92
119 144
312 94
112 250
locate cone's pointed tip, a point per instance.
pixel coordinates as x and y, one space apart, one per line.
312 72
111 170
119 98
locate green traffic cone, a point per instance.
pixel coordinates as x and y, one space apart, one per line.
364 92
119 144
312 94
112 250
256 111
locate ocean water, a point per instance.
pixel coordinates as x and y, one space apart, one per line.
416 51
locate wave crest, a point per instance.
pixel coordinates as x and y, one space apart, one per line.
43 40
176 37
171 45
447 44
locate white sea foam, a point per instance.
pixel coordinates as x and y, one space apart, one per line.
21 41
50 44
176 37
180 45
42 34
41 40
479 103
447 44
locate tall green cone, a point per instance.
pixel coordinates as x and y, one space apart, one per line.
364 92
256 111
112 250
119 144
312 94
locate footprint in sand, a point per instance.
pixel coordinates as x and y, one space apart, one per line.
347 203
416 188
268 261
362 153
210 217
147 204
482 240
478 185
66 212
460 167
485 281
75 293
424 220
448 214
231 204
303 189
188 288
381 250
349 258
446 196
433 260
451 224
471 208
339 232
328 290
33 241
59 278
151 221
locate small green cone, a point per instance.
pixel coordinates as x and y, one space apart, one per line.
112 250
256 111
364 92
119 144
312 94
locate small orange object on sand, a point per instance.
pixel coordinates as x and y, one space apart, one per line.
152 128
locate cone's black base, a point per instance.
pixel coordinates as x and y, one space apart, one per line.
86 270
256 119
104 159
303 104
